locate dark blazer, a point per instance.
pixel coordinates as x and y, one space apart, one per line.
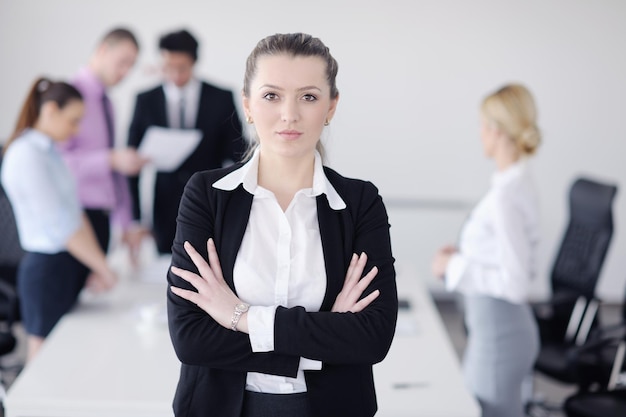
215 360
222 140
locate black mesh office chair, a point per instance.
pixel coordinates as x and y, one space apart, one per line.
566 320
609 401
10 254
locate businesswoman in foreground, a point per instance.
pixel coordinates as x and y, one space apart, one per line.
495 260
298 298
60 245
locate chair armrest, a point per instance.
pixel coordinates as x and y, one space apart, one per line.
612 332
544 309
11 294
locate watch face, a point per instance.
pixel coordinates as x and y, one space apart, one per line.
242 307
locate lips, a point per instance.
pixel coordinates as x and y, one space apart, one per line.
290 134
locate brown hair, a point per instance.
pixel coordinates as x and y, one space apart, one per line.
42 91
294 44
512 109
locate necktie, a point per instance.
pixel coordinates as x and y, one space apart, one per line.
108 117
118 179
181 108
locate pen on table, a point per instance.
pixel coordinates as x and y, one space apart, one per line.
407 385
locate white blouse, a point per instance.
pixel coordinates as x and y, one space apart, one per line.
280 262
42 192
498 243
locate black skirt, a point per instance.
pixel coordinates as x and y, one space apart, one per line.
256 404
48 286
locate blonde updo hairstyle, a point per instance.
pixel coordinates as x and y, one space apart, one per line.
512 109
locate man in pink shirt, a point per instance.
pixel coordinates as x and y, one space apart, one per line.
99 167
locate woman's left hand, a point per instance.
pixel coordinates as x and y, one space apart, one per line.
214 296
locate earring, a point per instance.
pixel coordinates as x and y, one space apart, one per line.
249 120
326 123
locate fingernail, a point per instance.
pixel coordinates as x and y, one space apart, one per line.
354 256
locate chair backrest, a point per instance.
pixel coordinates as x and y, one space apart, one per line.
586 239
10 250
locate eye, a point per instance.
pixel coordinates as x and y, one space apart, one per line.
270 96
309 97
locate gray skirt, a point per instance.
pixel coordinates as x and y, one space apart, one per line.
503 344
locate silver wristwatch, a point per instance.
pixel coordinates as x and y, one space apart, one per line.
239 310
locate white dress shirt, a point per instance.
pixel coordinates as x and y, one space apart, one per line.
190 95
497 247
42 192
280 263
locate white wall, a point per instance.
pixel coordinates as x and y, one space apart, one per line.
412 74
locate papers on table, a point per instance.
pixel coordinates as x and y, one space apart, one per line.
168 148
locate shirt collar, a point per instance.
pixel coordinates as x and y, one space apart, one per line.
90 81
516 170
174 92
41 140
247 175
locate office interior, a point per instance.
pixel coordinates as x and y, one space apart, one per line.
411 78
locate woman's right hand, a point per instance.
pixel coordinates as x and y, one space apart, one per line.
354 286
98 282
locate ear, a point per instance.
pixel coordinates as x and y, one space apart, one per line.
332 108
49 109
245 101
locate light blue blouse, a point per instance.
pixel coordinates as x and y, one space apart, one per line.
42 192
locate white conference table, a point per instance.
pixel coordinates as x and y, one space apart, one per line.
112 356
421 375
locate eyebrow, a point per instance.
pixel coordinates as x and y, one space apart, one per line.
275 87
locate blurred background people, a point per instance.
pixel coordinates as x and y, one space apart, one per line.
99 167
183 101
496 260
61 247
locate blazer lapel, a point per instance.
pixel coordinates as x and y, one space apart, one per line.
160 108
333 244
203 104
231 220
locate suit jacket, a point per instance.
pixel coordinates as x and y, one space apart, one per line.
215 360
221 140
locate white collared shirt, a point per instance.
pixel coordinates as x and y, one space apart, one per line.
42 192
280 262
190 93
498 243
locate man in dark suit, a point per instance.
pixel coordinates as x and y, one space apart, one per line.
183 102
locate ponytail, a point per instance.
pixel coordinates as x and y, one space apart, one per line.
42 91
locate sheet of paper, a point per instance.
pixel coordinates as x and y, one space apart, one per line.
168 148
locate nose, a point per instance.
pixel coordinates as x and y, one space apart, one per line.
290 111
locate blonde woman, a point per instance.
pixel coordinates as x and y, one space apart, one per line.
495 260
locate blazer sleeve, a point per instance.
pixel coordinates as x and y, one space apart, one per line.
232 143
197 338
137 129
349 338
